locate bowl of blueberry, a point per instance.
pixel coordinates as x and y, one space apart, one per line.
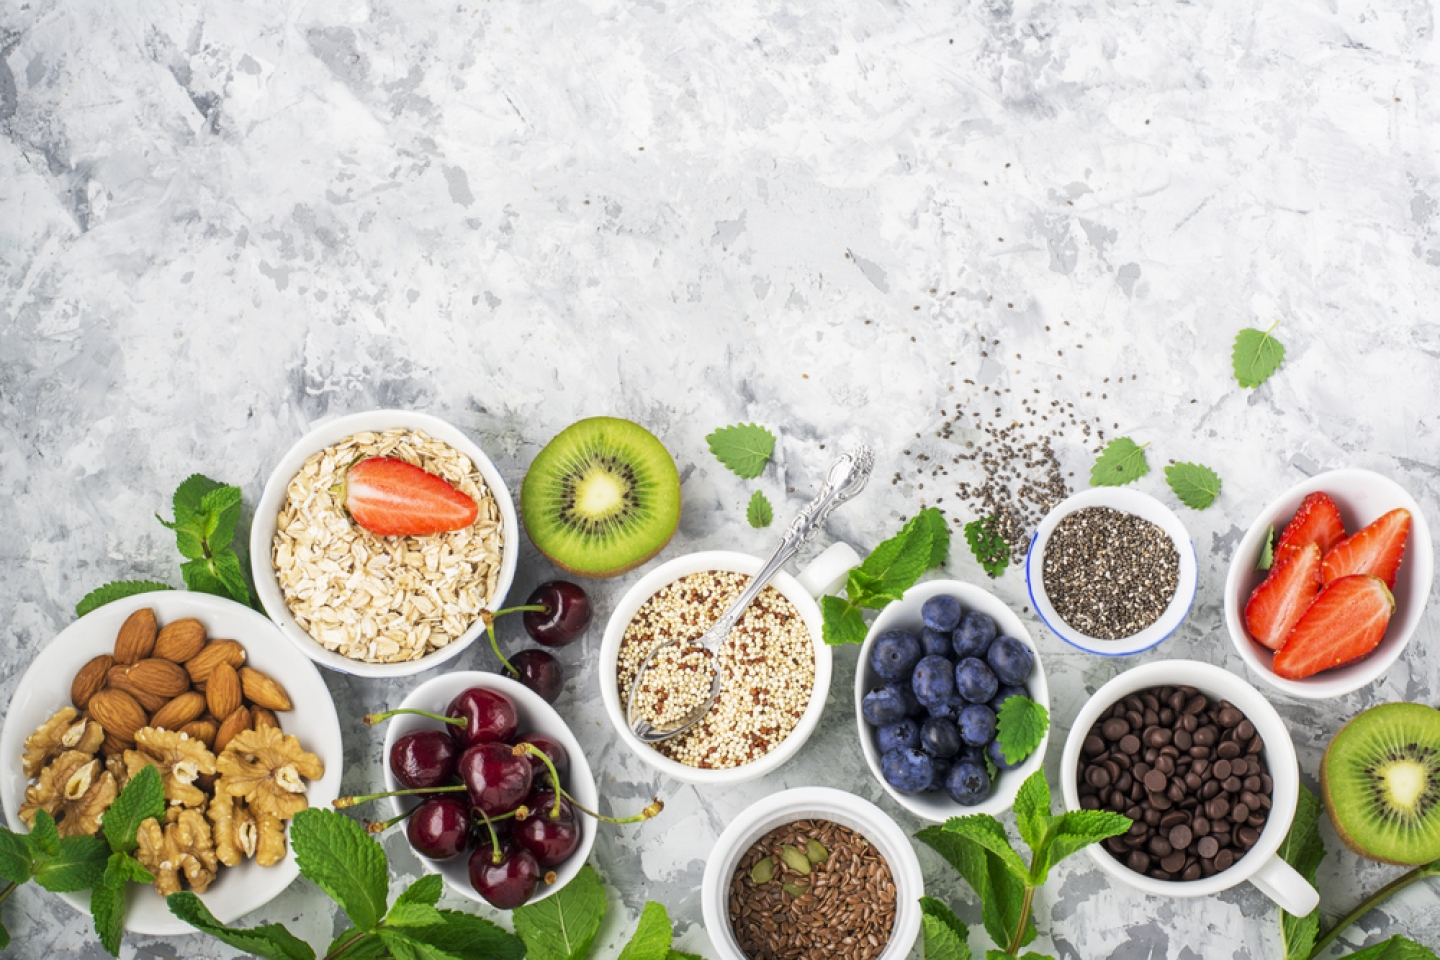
933 698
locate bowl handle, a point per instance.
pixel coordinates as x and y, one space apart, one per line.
827 571
1279 881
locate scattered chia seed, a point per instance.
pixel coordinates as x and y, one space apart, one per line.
1109 574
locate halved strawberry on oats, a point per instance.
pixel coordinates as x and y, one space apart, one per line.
1279 601
1345 623
1317 521
392 498
1376 550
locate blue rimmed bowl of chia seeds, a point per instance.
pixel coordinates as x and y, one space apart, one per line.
1112 571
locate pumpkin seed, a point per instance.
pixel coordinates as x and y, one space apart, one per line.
795 860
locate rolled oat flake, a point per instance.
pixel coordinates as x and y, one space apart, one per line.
1109 574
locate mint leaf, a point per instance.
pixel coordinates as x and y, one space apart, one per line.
682 955
1002 955
843 622
1196 485
426 890
44 837
142 799
1396 948
1256 355
945 936
866 590
990 549
117 590
743 447
231 575
1077 829
562 926
15 862
759 513
338 856
652 936
359 945
1122 462
189 499
221 510
4 937
939 535
1267 551
468 937
1001 893
1020 727
79 865
271 941
107 903
403 945
1302 849
412 915
199 577
1032 814
898 562
988 833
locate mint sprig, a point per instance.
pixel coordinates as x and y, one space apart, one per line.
893 567
563 926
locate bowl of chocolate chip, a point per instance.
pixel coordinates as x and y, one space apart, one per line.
1203 766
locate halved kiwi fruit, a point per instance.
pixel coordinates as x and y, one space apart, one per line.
1380 781
601 498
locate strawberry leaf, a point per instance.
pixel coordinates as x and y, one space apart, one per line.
1122 462
759 513
118 590
1256 355
1196 485
743 447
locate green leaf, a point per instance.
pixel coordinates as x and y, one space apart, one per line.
426 890
338 856
1302 849
652 935
988 833
1076 829
4 937
44 837
1122 462
271 941
404 945
117 590
843 622
221 509
743 447
1256 355
107 902
1002 955
562 926
1020 727
1032 813
898 562
199 578
79 865
682 955
15 862
142 799
939 535
231 575
865 590
363 946
189 499
412 915
468 937
1396 948
1267 552
1195 484
946 938
1001 893
759 513
990 549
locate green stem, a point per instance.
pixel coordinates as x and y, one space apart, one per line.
1018 941
1372 901
495 644
536 607
9 889
370 719
342 802
345 947
496 857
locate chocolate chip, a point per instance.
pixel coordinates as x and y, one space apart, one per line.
1129 744
1093 746
1155 781
1207 847
1180 838
1192 872
1114 729
1138 860
1244 730
1173 863
1098 777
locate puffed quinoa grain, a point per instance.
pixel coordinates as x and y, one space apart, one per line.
767 669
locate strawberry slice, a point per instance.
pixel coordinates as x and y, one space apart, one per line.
1317 521
1279 601
1344 623
1376 550
392 498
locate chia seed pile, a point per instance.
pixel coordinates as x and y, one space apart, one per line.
1109 574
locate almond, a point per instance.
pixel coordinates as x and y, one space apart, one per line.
222 690
161 677
263 691
216 651
91 679
202 730
119 678
178 712
137 637
180 640
113 746
237 723
266 718
118 714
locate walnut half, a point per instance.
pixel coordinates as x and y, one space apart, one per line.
76 790
179 759
266 767
58 734
180 848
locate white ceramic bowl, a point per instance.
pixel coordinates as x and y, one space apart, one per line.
1261 865
819 576
1362 497
262 535
45 688
803 803
536 716
1126 501
905 615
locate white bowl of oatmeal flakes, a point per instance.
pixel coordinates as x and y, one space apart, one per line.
380 606
777 667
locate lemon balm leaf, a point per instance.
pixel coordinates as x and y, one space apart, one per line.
990 549
759 513
1256 355
1195 484
1020 727
743 447
1122 462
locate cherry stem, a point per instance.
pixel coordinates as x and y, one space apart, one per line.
342 802
522 749
534 607
374 827
489 619
370 719
653 810
496 857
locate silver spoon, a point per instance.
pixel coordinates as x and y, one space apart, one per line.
846 478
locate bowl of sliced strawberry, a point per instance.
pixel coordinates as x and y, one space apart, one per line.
1329 583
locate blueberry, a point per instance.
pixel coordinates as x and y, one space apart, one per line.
940 737
1005 692
941 613
946 709
913 706
997 756
904 733
942 767
895 654
1011 660
933 680
935 643
907 770
968 783
975 681
882 707
977 725
972 638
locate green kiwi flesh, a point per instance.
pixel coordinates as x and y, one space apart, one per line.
1380 781
601 498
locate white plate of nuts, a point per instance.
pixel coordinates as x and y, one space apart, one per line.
128 666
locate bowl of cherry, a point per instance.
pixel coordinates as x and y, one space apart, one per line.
464 773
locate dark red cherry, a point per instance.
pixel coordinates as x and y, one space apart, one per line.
540 672
440 827
509 883
425 758
496 779
549 839
566 614
554 751
489 717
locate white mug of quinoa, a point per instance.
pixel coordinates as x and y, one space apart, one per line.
776 648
